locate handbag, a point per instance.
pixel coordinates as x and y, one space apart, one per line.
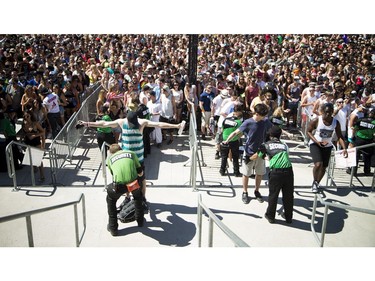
134 185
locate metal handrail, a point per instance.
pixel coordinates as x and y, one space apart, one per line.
238 242
10 162
331 167
326 204
28 215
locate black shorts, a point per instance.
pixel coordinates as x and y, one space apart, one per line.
320 154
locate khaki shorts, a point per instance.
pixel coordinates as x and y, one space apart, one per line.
259 166
206 118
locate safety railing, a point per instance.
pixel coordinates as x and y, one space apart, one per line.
63 146
304 125
10 162
193 143
327 205
237 241
103 150
331 167
28 215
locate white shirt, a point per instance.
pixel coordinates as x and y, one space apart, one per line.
51 103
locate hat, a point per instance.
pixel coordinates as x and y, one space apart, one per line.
339 100
312 84
275 131
224 93
165 87
146 87
132 120
322 65
152 93
296 77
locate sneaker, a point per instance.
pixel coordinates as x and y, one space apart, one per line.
217 155
270 220
258 196
203 137
245 198
237 175
315 187
114 232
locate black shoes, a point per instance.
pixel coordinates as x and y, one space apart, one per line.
258 196
270 220
217 155
245 198
114 232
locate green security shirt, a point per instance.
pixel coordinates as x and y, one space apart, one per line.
105 130
123 166
230 124
365 128
277 153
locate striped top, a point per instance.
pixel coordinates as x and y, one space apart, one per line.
132 140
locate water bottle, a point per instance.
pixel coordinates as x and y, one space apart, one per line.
182 127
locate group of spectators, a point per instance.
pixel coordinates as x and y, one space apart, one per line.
301 71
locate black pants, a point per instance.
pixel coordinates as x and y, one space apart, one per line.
281 179
147 141
105 137
53 119
113 195
233 146
366 153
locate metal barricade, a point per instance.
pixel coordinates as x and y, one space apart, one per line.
27 216
331 167
320 240
238 242
10 162
63 146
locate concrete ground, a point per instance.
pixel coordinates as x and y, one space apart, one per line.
172 220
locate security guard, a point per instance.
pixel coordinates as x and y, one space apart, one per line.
280 176
126 171
364 134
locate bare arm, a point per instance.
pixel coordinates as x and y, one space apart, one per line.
102 124
232 135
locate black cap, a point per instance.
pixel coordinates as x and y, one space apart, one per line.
275 131
132 120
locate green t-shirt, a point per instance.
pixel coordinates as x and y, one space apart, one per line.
365 128
105 130
123 166
230 124
7 128
277 152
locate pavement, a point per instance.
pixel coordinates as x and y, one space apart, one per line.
172 219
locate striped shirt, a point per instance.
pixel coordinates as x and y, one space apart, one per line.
132 140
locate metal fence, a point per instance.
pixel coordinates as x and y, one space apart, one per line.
327 205
63 146
238 242
332 163
28 215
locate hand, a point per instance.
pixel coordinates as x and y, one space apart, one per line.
323 143
345 153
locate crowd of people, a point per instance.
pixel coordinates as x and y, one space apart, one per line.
293 75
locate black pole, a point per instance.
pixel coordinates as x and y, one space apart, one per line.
193 55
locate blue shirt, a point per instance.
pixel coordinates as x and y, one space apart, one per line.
255 133
206 98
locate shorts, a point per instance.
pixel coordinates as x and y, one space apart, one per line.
206 118
320 154
258 164
293 106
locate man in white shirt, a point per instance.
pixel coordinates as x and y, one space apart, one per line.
51 103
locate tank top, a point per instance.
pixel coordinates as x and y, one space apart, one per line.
324 132
132 139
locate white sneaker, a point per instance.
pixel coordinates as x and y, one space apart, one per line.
315 187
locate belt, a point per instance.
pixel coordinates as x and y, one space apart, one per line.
281 170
